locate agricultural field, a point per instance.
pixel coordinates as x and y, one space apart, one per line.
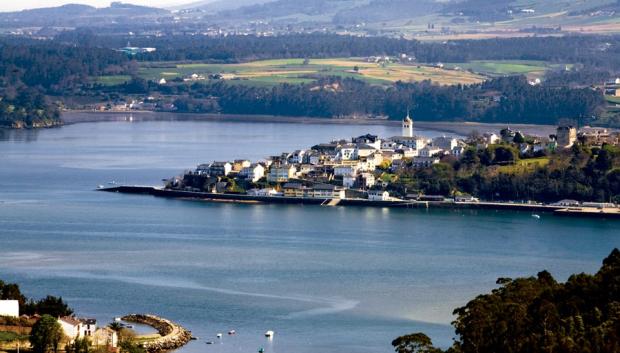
532 69
298 71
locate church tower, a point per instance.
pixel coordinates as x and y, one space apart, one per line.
407 126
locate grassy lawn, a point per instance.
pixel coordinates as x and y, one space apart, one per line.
524 165
295 71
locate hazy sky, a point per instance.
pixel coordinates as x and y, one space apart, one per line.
8 5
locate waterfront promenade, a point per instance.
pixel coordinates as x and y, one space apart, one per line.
449 204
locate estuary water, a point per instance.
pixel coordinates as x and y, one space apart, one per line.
324 279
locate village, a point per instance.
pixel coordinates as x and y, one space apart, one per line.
83 335
363 167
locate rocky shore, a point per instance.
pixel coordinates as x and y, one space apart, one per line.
173 336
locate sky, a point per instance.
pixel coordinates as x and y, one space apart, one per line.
7 5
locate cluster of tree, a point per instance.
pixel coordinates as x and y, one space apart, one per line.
494 173
509 99
26 107
50 305
30 70
537 314
56 66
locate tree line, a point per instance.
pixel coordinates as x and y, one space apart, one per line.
506 99
582 173
537 314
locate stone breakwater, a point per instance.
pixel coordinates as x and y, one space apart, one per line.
173 336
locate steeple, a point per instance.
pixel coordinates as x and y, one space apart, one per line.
408 126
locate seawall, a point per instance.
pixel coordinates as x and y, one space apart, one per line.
173 336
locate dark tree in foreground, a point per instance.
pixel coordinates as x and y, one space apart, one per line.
538 314
46 335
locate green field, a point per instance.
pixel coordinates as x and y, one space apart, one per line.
524 165
532 69
269 72
112 80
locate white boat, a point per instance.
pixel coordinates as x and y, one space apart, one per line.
269 334
116 319
219 335
536 216
232 332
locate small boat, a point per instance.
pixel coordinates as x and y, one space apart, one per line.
232 332
219 335
209 342
261 350
536 216
116 319
269 334
129 326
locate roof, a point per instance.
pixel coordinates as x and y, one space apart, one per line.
219 164
70 320
88 321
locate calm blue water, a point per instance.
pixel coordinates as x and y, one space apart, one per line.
325 279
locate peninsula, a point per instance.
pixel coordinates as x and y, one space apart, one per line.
571 172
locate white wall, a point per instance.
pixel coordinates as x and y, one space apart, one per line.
9 308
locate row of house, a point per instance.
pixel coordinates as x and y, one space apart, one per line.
72 327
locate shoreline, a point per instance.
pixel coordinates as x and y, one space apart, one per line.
462 128
327 202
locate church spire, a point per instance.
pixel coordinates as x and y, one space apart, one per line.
407 125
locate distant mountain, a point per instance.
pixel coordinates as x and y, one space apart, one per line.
79 15
399 13
331 11
219 5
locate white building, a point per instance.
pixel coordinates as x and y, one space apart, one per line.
71 327
347 152
281 174
88 327
378 195
297 157
9 308
445 143
407 126
429 151
342 170
220 168
105 337
253 173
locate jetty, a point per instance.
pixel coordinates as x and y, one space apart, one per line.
173 335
